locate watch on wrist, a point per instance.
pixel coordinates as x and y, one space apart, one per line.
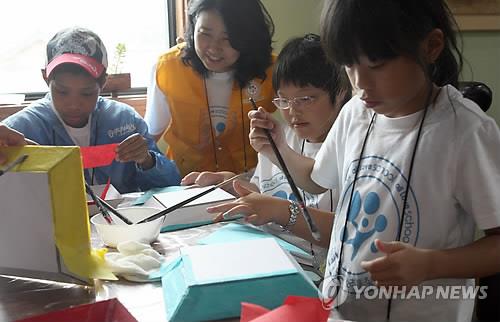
294 211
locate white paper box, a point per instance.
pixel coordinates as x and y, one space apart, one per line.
45 231
209 282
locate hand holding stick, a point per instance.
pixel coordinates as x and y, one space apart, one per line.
307 217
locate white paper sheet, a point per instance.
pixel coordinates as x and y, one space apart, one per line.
169 199
244 259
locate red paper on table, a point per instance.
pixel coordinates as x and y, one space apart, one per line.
98 155
294 309
104 311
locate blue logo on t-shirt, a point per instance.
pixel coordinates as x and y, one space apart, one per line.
376 212
377 222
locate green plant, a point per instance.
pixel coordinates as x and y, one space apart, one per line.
120 53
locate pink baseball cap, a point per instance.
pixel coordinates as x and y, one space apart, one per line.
78 46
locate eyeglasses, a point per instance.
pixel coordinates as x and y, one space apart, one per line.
285 103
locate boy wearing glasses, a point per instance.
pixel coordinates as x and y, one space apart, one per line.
311 93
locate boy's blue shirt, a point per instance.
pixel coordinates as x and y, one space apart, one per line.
111 122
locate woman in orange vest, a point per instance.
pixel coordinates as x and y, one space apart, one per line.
198 99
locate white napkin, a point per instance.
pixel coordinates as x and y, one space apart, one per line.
134 261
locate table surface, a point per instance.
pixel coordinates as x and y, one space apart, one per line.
24 297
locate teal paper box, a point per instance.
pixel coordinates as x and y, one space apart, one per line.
209 282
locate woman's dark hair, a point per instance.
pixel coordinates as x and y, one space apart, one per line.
302 62
385 29
250 30
76 70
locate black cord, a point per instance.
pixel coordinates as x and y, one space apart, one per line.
410 172
245 169
95 143
350 198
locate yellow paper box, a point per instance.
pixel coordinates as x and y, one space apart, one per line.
44 230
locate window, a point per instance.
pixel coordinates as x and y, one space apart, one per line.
27 26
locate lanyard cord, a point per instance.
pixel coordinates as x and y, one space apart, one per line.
212 129
410 172
350 200
95 143
245 169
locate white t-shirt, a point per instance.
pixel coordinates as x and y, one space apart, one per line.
219 86
80 136
454 186
272 181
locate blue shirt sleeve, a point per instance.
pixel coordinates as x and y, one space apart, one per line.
164 173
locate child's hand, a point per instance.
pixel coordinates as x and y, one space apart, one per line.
10 137
205 178
260 120
257 208
402 264
135 148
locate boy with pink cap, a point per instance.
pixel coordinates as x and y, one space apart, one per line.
74 113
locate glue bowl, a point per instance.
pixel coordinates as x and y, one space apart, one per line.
113 234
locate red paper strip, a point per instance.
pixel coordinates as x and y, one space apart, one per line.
98 156
104 311
294 309
250 311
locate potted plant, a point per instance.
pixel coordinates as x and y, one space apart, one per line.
117 80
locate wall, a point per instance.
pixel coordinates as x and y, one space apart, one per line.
482 55
481 48
293 18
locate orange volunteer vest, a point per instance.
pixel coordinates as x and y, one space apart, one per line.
190 138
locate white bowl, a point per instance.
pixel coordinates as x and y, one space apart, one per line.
119 232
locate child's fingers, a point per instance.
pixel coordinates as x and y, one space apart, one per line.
133 148
252 219
240 189
137 152
258 114
385 276
129 141
190 178
207 178
222 207
219 217
237 210
260 123
377 265
389 247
